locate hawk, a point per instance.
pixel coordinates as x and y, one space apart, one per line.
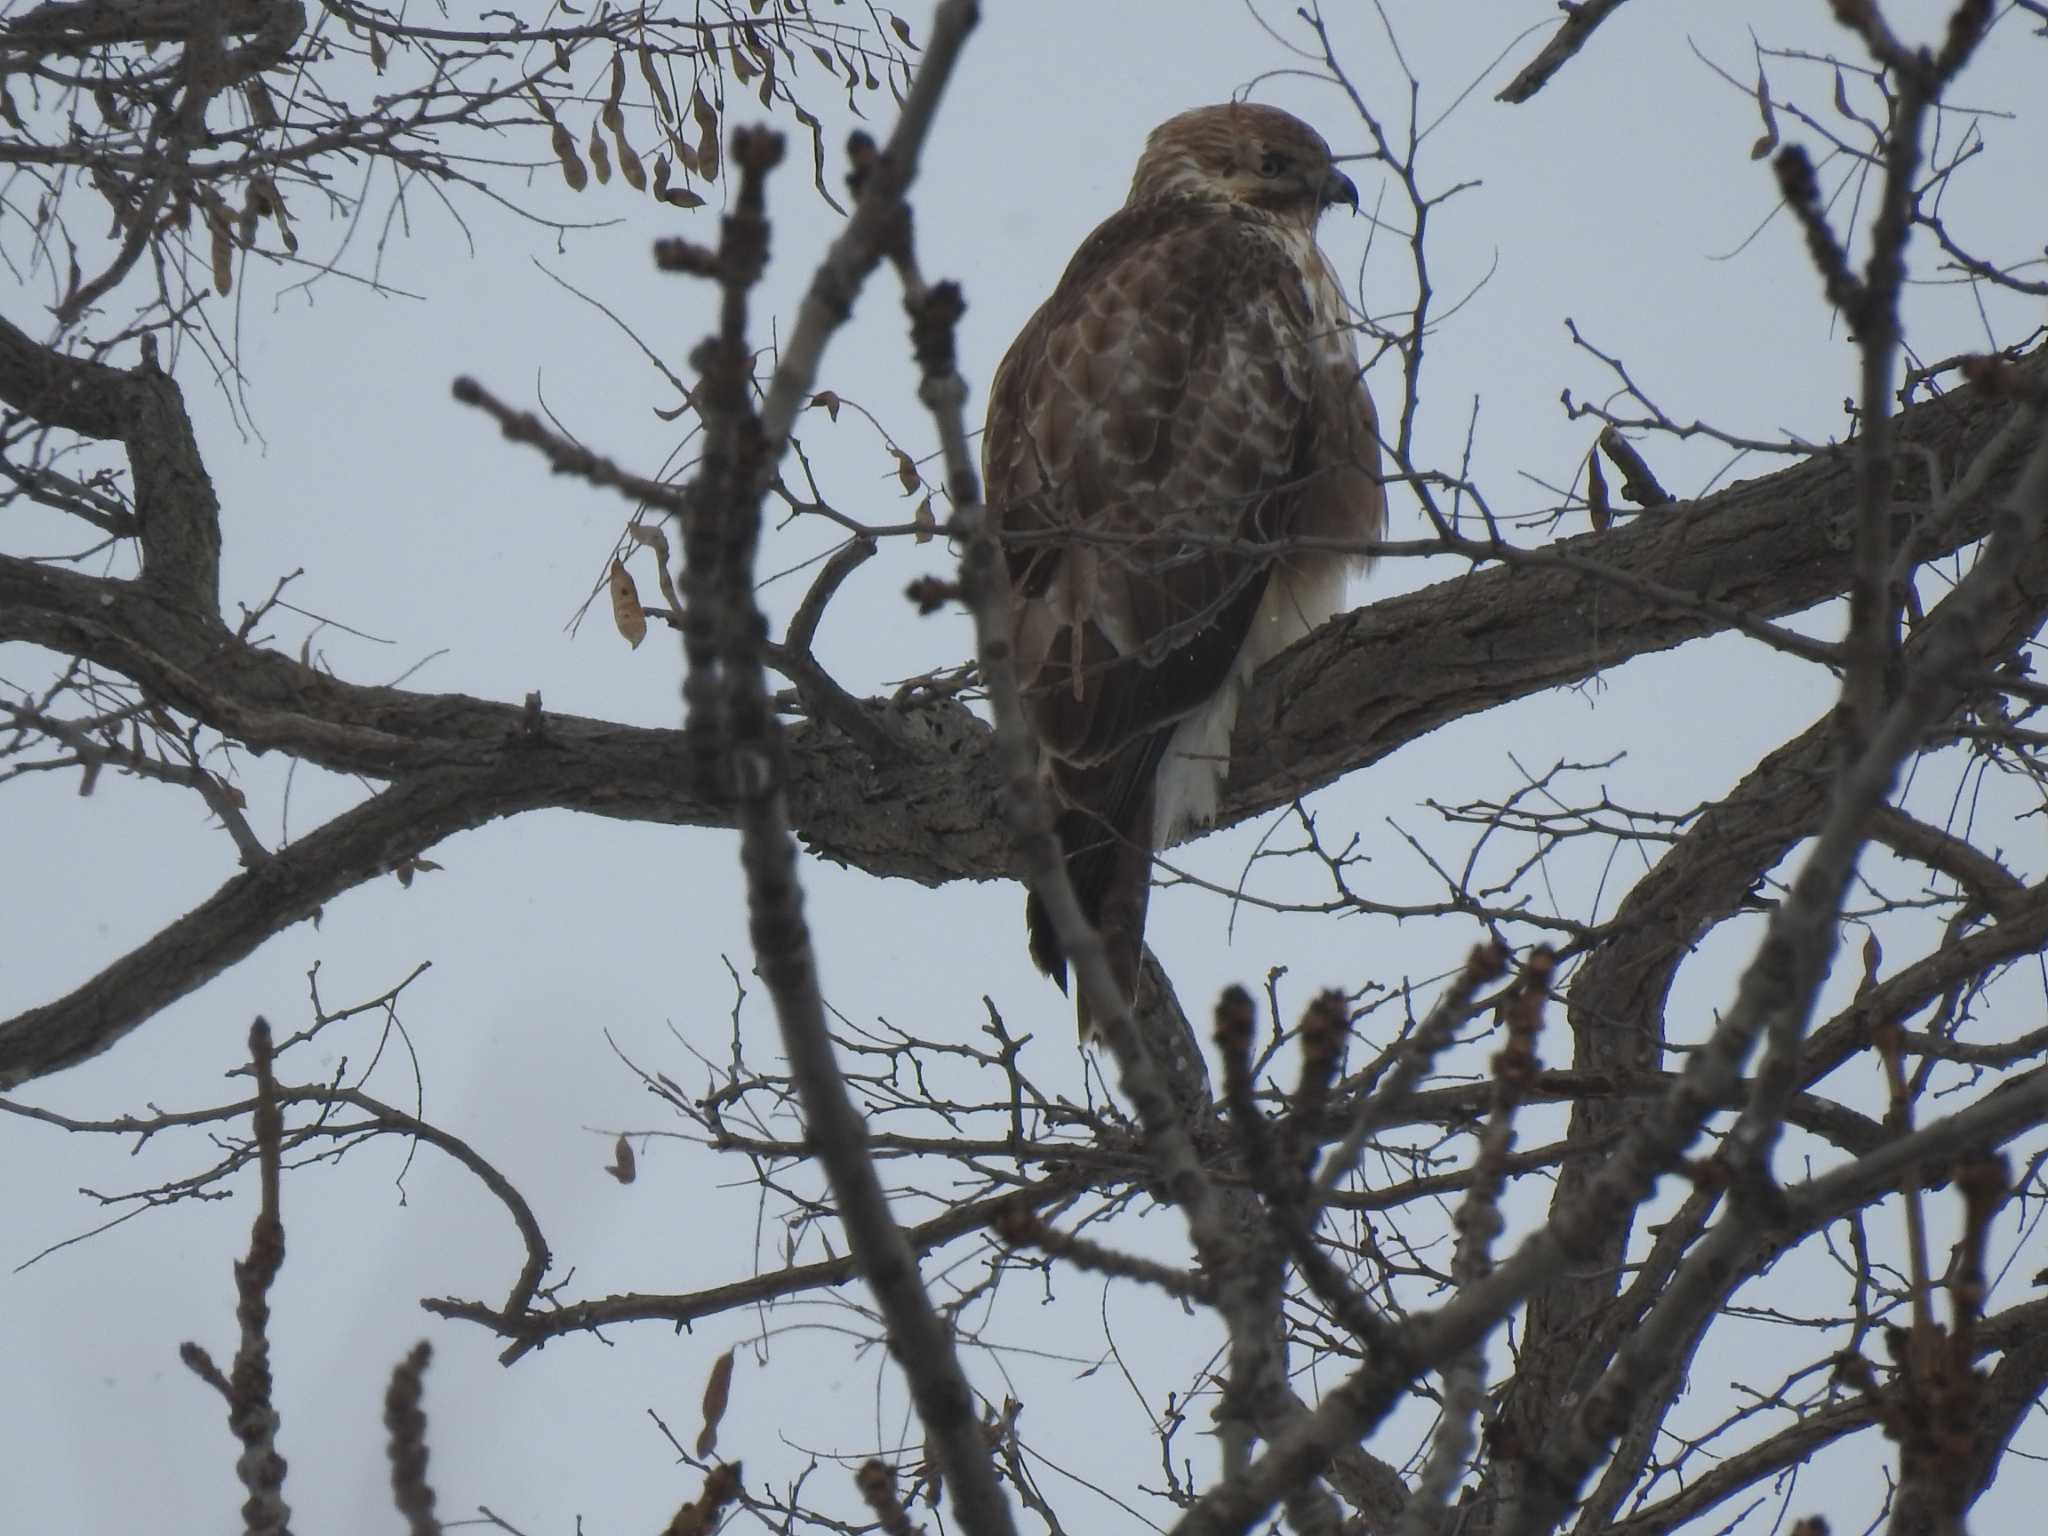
1182 459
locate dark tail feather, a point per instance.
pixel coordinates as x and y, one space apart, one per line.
1111 872
1046 953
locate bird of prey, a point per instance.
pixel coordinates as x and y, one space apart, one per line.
1182 460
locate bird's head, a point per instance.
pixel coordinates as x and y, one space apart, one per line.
1242 153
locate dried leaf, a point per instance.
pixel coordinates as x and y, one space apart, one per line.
707 130
630 166
827 401
261 108
650 534
600 157
626 614
232 795
223 251
1769 141
902 30
618 90
1873 960
622 1166
405 869
377 55
717 1391
9 110
654 86
1596 493
810 121
906 472
273 205
1842 94
678 197
572 167
923 521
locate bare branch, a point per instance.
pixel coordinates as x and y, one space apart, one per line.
1581 17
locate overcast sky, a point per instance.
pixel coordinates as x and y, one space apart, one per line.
1623 197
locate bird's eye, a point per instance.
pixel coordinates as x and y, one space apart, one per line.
1276 164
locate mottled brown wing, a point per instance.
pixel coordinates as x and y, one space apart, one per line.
1155 419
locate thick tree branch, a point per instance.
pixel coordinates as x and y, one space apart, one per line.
1380 677
291 886
84 24
175 507
1351 1410
1363 686
1774 1000
2020 1333
1772 1003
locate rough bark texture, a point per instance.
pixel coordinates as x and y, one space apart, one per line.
1348 696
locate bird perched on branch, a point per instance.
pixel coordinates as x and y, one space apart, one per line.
1164 436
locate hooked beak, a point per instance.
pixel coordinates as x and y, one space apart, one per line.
1339 188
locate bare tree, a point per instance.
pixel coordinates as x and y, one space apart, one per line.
1382 1359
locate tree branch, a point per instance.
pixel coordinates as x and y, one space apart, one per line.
1580 20
1363 686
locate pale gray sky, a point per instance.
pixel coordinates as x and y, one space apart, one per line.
1621 197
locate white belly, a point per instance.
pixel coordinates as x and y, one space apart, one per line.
1298 598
